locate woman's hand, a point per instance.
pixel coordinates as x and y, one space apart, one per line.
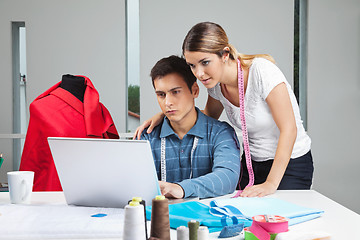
152 122
259 190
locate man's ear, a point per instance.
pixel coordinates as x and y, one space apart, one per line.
195 90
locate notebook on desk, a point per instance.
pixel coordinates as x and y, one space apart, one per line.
104 172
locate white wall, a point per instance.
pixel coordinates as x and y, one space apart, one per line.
84 37
257 26
334 98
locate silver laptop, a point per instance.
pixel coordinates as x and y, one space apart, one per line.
104 172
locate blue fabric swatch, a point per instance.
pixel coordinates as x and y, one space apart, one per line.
246 208
181 213
243 208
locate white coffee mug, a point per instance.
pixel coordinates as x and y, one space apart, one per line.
20 186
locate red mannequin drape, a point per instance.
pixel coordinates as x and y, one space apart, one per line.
58 113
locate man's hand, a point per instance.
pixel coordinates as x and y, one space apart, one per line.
171 190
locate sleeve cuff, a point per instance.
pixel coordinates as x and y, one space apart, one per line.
187 188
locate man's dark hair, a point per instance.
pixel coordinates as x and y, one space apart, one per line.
173 64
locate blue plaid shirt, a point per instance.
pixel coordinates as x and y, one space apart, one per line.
216 159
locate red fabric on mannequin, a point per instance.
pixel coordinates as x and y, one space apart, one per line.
58 113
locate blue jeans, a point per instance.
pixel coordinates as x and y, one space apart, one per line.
298 174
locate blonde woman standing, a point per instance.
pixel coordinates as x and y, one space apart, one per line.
279 148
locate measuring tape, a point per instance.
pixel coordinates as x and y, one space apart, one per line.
265 227
163 157
244 129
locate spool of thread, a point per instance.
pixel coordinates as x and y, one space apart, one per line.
1 160
134 226
160 224
250 236
142 202
265 225
193 229
182 233
203 233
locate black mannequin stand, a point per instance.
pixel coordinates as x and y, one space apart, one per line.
75 85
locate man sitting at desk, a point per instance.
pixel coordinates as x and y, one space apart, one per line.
195 155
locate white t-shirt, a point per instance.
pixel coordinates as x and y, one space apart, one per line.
263 132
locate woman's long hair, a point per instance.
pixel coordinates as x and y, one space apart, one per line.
211 38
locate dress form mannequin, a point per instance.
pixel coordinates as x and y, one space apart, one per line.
74 84
58 113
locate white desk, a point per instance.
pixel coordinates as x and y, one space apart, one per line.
333 221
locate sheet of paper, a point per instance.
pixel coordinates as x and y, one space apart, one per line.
59 222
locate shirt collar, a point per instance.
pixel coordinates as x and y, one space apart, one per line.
198 130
